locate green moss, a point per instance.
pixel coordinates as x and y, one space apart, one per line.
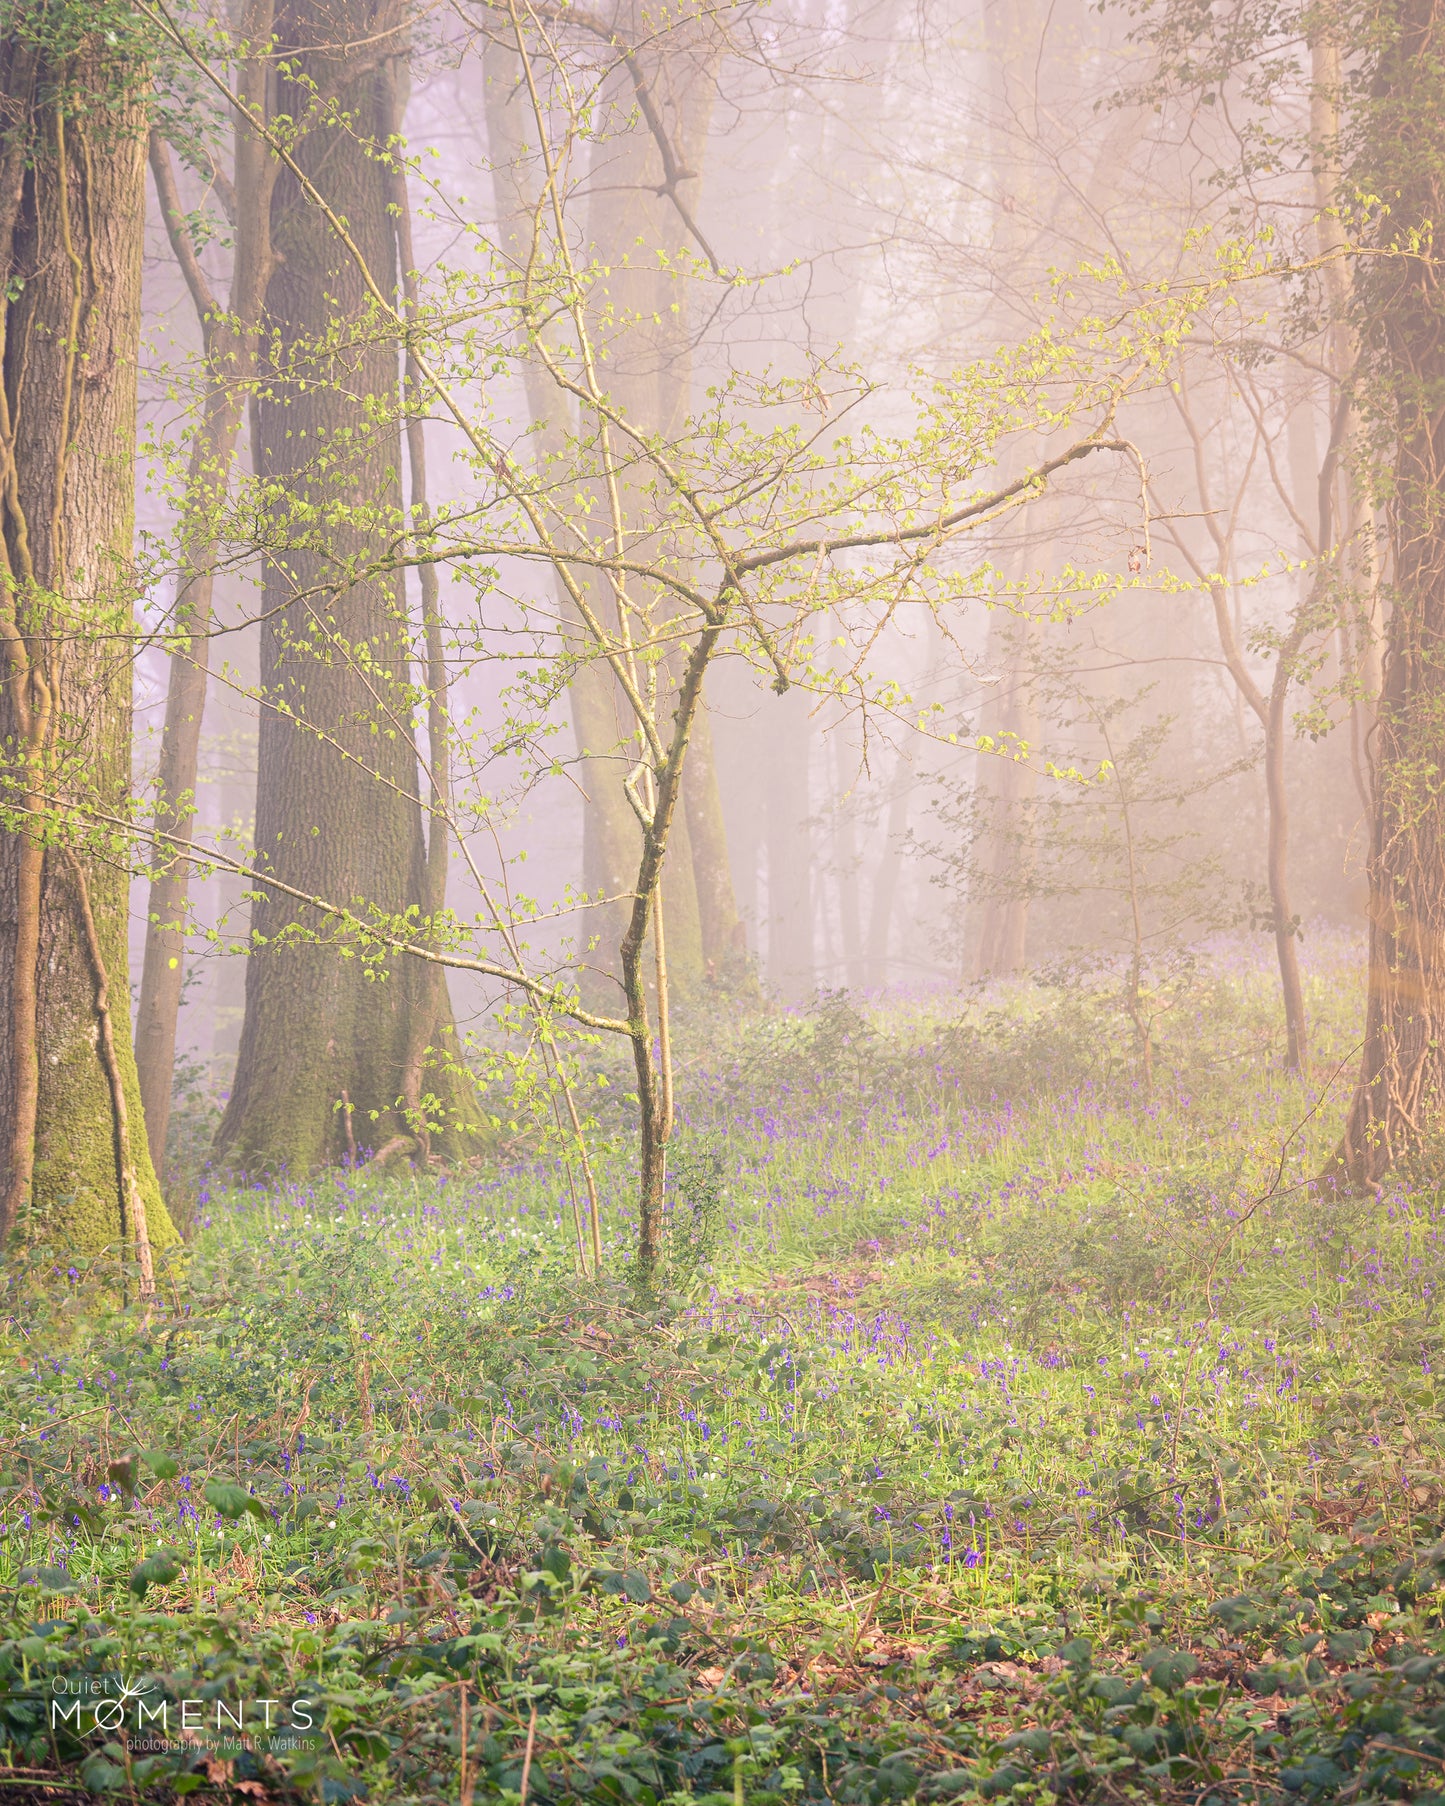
75 1196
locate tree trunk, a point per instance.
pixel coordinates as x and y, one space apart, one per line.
724 950
72 169
322 1067
646 372
1396 1114
638 314
885 882
790 849
1007 786
228 340
845 860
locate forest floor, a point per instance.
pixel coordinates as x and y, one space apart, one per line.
1002 1429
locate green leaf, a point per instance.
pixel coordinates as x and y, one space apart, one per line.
101 1776
1169 1669
157 1570
232 1500
163 1466
48 1579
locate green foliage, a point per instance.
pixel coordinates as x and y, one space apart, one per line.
697 1215
1005 1456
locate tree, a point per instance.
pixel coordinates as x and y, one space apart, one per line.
769 521
1109 845
228 356
72 169
1395 1116
330 1033
655 95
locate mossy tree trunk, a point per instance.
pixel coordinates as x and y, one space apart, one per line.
323 1060
72 206
1396 1117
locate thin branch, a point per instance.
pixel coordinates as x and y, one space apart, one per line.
396 943
173 215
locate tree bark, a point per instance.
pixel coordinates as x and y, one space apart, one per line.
1006 787
638 315
72 170
724 951
324 1047
228 342
1269 709
885 882
646 371
846 861
1396 1114
791 968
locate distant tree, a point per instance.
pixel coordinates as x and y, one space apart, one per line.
229 326
655 91
1106 847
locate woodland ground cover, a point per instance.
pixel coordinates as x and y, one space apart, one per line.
1005 1430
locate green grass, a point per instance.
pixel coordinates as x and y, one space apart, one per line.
1025 1435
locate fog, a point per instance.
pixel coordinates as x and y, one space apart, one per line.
722 901
897 193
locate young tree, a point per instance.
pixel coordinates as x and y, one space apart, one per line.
73 78
765 523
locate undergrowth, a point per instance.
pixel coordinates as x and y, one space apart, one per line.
1036 1437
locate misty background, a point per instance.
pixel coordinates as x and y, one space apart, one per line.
895 188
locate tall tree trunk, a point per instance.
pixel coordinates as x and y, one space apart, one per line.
646 371
682 85
724 948
845 860
1360 615
324 1047
654 108
520 188
885 882
1396 1115
790 850
1006 786
228 342
638 370
72 171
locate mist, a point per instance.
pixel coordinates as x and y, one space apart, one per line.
721 900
